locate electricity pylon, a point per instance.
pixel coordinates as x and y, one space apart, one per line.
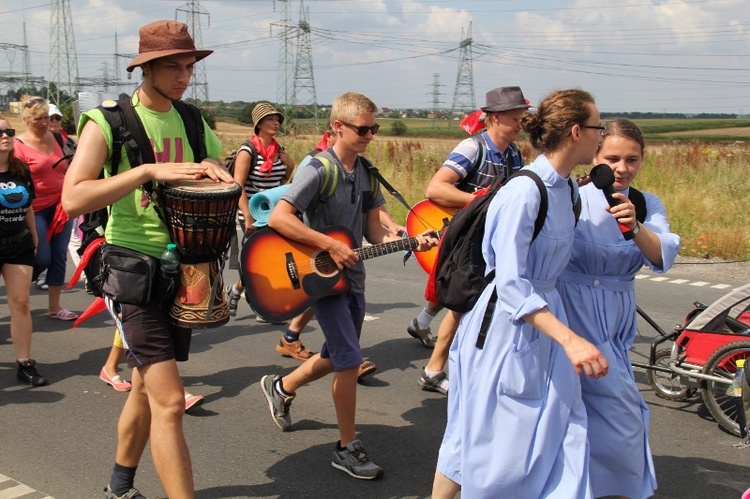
463 97
285 84
63 59
304 78
198 90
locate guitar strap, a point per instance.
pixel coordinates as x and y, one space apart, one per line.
392 190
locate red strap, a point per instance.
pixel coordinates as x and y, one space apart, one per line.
58 222
96 307
85 258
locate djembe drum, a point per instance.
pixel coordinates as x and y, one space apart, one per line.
200 216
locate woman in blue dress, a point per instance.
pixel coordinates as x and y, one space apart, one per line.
516 422
599 297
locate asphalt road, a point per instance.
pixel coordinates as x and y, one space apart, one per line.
60 439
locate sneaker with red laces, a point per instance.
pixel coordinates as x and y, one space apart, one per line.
294 349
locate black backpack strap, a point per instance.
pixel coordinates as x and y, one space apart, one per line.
538 225
481 157
59 139
196 131
639 201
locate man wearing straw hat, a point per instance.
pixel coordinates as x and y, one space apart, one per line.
155 405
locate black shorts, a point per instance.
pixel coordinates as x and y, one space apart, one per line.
151 337
14 255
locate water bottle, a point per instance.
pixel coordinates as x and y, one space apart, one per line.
170 261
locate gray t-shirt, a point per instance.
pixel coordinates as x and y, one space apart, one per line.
347 207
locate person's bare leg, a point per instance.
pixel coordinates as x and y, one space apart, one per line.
447 331
443 487
166 397
134 425
53 299
345 401
17 281
298 323
312 369
112 365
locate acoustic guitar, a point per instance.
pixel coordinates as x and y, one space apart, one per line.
423 216
283 277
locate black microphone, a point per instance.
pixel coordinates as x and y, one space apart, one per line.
603 178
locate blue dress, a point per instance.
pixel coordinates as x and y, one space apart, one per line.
516 422
598 292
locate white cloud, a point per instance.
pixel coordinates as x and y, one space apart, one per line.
673 55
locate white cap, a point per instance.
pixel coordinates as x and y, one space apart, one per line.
53 109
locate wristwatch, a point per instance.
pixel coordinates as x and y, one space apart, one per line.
637 228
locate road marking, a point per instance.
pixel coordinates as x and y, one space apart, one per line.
10 489
371 317
697 284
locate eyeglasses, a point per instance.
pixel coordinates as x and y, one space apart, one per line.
363 129
601 128
55 117
10 132
38 100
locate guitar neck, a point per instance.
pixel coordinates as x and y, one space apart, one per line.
387 248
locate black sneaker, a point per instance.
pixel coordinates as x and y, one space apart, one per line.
28 373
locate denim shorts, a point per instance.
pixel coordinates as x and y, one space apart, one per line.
341 317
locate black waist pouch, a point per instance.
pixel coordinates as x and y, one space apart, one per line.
128 276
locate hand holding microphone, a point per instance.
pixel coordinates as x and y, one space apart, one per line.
604 179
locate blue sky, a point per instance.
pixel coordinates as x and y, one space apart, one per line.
634 55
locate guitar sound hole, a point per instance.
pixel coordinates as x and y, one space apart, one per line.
324 264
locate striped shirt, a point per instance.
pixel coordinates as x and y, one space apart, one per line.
496 162
257 181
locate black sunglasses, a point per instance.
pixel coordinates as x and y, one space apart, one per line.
10 132
363 129
55 117
31 102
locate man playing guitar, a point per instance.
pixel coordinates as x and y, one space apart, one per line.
472 165
353 206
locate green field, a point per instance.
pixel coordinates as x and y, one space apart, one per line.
653 129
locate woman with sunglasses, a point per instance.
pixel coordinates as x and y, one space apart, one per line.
18 240
597 289
516 422
38 148
272 167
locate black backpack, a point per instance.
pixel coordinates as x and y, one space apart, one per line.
128 133
230 160
460 279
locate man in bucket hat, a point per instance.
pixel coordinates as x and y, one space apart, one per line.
155 405
472 165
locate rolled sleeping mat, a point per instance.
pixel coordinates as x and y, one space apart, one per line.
262 204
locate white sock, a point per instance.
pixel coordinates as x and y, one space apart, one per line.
430 374
424 319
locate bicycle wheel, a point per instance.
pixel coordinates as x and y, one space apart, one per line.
667 385
718 396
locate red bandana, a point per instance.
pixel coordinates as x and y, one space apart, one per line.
268 153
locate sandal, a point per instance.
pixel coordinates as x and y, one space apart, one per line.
366 368
64 315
